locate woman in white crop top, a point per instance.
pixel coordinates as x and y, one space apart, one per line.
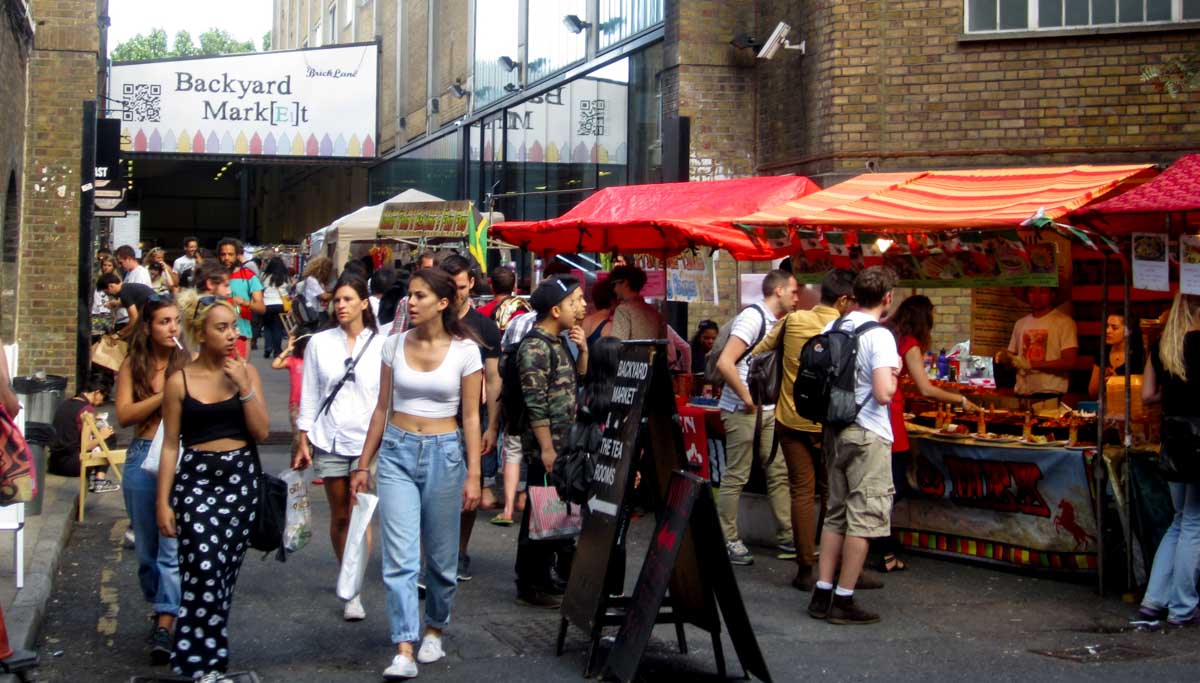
428 470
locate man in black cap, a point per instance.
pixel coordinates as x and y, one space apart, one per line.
549 377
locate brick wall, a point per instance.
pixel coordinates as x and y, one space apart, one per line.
62 74
895 84
14 59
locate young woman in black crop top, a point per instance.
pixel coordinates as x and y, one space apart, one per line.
153 357
216 407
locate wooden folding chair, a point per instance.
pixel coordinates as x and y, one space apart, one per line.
105 456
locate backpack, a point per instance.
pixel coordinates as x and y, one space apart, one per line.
824 388
512 397
508 309
575 466
711 374
765 375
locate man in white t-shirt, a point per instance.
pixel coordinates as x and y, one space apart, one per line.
859 458
738 415
135 272
188 260
1044 347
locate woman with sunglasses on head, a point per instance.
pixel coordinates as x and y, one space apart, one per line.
426 475
215 407
340 385
154 356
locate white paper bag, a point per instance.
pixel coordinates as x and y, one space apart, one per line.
354 557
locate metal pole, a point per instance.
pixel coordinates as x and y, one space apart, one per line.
1126 523
1098 467
87 208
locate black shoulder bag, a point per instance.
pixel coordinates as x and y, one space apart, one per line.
270 514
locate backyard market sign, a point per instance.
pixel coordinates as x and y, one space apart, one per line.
308 103
929 260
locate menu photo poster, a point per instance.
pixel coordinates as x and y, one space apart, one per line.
1189 264
1151 271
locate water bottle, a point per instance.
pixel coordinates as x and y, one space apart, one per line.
943 365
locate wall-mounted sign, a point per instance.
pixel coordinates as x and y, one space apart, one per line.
318 102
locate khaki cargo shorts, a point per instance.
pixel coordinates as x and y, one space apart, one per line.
860 483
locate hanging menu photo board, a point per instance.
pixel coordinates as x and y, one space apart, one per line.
1151 271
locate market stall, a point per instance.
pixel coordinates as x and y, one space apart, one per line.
1019 490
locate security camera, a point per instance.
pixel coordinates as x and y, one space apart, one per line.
574 24
777 40
508 63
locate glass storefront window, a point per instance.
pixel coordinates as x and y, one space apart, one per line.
620 19
496 32
434 168
551 46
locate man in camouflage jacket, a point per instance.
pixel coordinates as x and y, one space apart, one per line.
549 379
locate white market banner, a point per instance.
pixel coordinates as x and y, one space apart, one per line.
305 103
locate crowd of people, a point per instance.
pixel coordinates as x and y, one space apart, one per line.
401 385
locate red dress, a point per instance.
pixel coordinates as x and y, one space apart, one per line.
896 407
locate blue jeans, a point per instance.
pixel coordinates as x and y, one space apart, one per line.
158 557
1176 563
421 480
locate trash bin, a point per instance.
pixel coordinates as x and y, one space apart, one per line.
38 436
40 395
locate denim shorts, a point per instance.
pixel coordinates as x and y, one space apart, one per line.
332 465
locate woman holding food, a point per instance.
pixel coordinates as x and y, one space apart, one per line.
1123 347
912 323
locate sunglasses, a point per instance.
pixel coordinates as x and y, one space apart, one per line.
349 370
212 299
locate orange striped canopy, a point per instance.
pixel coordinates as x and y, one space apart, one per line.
982 198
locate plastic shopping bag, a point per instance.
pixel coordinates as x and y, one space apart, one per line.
150 463
297 528
551 518
354 557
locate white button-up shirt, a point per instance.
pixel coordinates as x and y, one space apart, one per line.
343 427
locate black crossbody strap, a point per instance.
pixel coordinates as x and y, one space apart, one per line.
341 382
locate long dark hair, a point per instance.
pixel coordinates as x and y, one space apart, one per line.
704 326
602 373
277 272
141 353
914 318
442 285
1135 352
359 285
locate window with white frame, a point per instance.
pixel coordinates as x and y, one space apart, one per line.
987 16
331 36
347 12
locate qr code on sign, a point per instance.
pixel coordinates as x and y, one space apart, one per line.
591 117
141 102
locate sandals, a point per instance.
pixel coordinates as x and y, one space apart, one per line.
501 520
891 563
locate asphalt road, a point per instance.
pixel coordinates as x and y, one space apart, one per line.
941 619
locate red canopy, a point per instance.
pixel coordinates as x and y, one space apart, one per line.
666 217
1175 190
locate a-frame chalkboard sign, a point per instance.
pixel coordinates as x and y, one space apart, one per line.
687 551
642 389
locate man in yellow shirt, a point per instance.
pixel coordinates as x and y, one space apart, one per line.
799 438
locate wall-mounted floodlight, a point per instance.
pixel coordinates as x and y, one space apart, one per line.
777 40
508 63
575 25
459 91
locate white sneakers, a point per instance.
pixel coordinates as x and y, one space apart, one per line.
353 611
431 649
402 667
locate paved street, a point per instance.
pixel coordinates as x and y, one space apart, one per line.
942 619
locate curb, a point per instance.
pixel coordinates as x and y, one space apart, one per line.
23 618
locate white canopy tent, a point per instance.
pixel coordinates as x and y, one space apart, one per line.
334 239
